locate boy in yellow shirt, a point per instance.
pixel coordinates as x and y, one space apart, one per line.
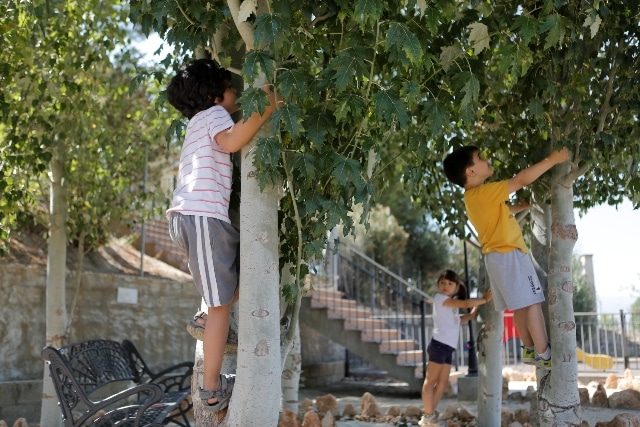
514 282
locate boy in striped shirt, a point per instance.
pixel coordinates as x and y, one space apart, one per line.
199 215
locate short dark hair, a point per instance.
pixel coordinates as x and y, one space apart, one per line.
197 86
456 163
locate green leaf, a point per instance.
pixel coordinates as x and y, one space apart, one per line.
449 54
268 151
348 64
527 26
318 126
390 108
349 108
555 30
268 30
253 99
471 90
437 116
368 11
290 117
256 61
478 37
403 43
536 108
293 83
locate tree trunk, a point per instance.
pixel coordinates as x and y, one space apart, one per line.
489 360
558 400
291 374
256 395
56 276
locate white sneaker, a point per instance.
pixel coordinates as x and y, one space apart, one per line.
428 420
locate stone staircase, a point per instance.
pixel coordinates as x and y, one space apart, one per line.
364 333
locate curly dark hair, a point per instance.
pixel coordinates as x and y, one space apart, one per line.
197 86
456 163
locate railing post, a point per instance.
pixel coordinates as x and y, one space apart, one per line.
625 353
472 370
423 338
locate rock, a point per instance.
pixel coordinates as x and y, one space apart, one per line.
289 419
328 420
611 381
305 406
3 423
327 403
349 411
522 416
584 395
593 384
627 380
311 419
368 406
600 397
620 420
393 411
449 412
412 411
531 394
21 422
516 396
515 424
506 418
464 414
627 399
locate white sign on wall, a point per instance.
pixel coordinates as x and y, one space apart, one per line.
127 296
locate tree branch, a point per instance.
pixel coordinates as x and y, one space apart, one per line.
244 28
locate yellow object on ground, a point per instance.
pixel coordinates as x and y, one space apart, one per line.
596 361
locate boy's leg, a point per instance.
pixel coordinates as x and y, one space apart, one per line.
531 327
215 339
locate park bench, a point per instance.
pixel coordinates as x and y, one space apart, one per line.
107 383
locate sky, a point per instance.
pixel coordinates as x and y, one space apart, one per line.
612 236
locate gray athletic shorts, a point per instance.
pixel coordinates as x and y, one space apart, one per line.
213 250
514 282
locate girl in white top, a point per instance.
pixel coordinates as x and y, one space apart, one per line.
446 321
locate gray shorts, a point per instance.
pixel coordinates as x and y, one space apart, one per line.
514 282
213 254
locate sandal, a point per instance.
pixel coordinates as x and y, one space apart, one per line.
223 394
196 329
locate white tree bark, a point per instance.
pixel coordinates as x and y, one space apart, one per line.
489 360
558 399
256 396
291 374
56 321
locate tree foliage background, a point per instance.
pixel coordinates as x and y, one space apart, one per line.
66 72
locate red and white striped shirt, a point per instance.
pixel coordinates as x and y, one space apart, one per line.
204 176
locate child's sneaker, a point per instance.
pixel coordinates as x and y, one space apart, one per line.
430 420
542 363
528 356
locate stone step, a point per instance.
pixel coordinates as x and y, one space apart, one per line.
409 357
379 335
324 302
396 346
362 324
326 293
348 312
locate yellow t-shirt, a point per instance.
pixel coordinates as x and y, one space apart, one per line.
498 230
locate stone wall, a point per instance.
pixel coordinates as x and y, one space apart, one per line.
151 312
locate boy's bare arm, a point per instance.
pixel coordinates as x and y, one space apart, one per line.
530 174
240 134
